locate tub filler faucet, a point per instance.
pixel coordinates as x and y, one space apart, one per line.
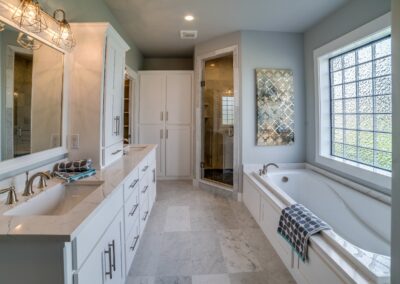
264 170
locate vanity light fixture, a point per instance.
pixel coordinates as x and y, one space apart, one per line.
189 18
28 42
28 15
2 26
64 36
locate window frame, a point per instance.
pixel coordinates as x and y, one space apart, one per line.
372 177
223 113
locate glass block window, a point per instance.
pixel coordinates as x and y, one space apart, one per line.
228 108
361 105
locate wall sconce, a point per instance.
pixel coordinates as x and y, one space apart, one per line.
2 26
64 36
28 42
28 15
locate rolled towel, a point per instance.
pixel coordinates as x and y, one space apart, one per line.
73 166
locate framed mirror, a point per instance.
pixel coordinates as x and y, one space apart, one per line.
31 100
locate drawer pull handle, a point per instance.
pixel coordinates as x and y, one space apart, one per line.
135 207
113 250
145 189
116 152
145 215
133 184
145 168
135 240
108 252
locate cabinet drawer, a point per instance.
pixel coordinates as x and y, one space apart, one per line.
132 243
132 210
143 168
144 187
89 235
112 153
131 183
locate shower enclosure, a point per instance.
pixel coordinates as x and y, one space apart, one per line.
218 121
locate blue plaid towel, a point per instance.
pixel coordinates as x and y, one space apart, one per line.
297 224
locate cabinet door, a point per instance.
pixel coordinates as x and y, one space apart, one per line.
179 98
113 254
105 263
113 94
152 98
178 151
154 134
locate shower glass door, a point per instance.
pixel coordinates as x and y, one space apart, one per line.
218 121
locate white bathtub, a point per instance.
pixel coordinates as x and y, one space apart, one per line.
359 244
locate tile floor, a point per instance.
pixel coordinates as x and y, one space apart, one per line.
196 237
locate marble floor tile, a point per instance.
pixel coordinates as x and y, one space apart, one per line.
195 236
175 255
238 255
207 256
252 278
177 219
211 279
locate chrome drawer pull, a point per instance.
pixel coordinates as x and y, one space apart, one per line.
109 262
133 184
116 152
145 168
113 250
145 215
135 240
145 189
133 210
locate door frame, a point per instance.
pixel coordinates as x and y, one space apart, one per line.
200 65
134 104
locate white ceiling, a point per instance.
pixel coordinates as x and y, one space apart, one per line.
154 25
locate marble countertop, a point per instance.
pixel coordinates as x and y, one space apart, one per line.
65 227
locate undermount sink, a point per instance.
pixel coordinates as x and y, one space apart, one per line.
57 200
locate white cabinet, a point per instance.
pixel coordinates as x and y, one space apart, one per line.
252 198
96 93
166 120
177 151
105 263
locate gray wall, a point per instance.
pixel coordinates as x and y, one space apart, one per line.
95 11
353 15
271 50
396 141
168 64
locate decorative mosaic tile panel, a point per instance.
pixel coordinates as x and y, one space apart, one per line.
275 107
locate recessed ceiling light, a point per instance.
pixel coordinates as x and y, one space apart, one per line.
189 18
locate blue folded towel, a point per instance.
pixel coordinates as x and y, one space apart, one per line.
71 177
297 224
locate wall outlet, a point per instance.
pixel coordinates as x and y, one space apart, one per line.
75 141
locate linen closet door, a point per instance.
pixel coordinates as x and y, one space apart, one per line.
178 124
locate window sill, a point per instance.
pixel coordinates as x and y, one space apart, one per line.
375 178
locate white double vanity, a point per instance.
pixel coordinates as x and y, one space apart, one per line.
89 236
60 104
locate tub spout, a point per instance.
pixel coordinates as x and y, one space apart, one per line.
265 167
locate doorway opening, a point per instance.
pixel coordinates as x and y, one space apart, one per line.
218 120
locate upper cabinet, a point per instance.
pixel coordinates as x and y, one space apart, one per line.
152 97
96 100
178 102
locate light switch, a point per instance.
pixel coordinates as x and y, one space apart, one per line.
75 141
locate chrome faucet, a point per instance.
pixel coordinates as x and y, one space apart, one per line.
29 182
265 168
12 195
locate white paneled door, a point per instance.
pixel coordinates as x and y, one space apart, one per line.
179 98
177 151
154 134
152 98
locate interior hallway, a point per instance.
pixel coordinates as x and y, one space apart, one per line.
194 236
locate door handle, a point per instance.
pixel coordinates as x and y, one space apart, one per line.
108 252
113 251
166 134
135 240
166 116
135 207
154 175
162 116
161 134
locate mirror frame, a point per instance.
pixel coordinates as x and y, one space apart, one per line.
13 167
